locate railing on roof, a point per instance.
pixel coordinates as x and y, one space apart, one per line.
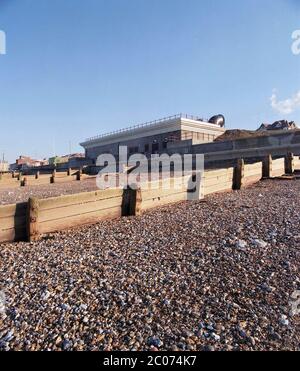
147 124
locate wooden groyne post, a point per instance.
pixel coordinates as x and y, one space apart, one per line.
289 164
52 178
24 182
132 200
267 167
239 173
33 219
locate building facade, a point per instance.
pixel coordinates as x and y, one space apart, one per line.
72 160
155 137
4 167
26 162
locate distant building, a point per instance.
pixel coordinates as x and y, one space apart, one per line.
26 162
77 162
278 125
72 160
54 161
157 136
4 166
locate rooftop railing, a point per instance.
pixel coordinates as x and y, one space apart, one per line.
146 124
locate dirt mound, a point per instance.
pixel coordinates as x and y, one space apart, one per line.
238 134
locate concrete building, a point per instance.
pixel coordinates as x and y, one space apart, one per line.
156 137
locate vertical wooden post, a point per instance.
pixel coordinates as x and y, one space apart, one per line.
52 178
132 201
289 164
19 176
33 219
78 175
24 182
37 175
267 167
239 172
196 193
69 171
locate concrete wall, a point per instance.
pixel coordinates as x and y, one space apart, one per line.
219 154
280 140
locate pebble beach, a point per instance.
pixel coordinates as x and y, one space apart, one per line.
10 195
218 274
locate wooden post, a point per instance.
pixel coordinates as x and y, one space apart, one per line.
23 182
78 175
19 176
37 175
52 178
33 219
289 164
132 201
267 167
239 172
69 171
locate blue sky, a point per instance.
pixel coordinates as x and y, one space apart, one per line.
77 68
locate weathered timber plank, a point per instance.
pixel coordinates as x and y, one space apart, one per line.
217 188
85 197
68 210
156 202
78 220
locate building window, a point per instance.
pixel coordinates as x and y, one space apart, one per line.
165 143
155 148
133 150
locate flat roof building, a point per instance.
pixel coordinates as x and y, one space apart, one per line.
155 137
